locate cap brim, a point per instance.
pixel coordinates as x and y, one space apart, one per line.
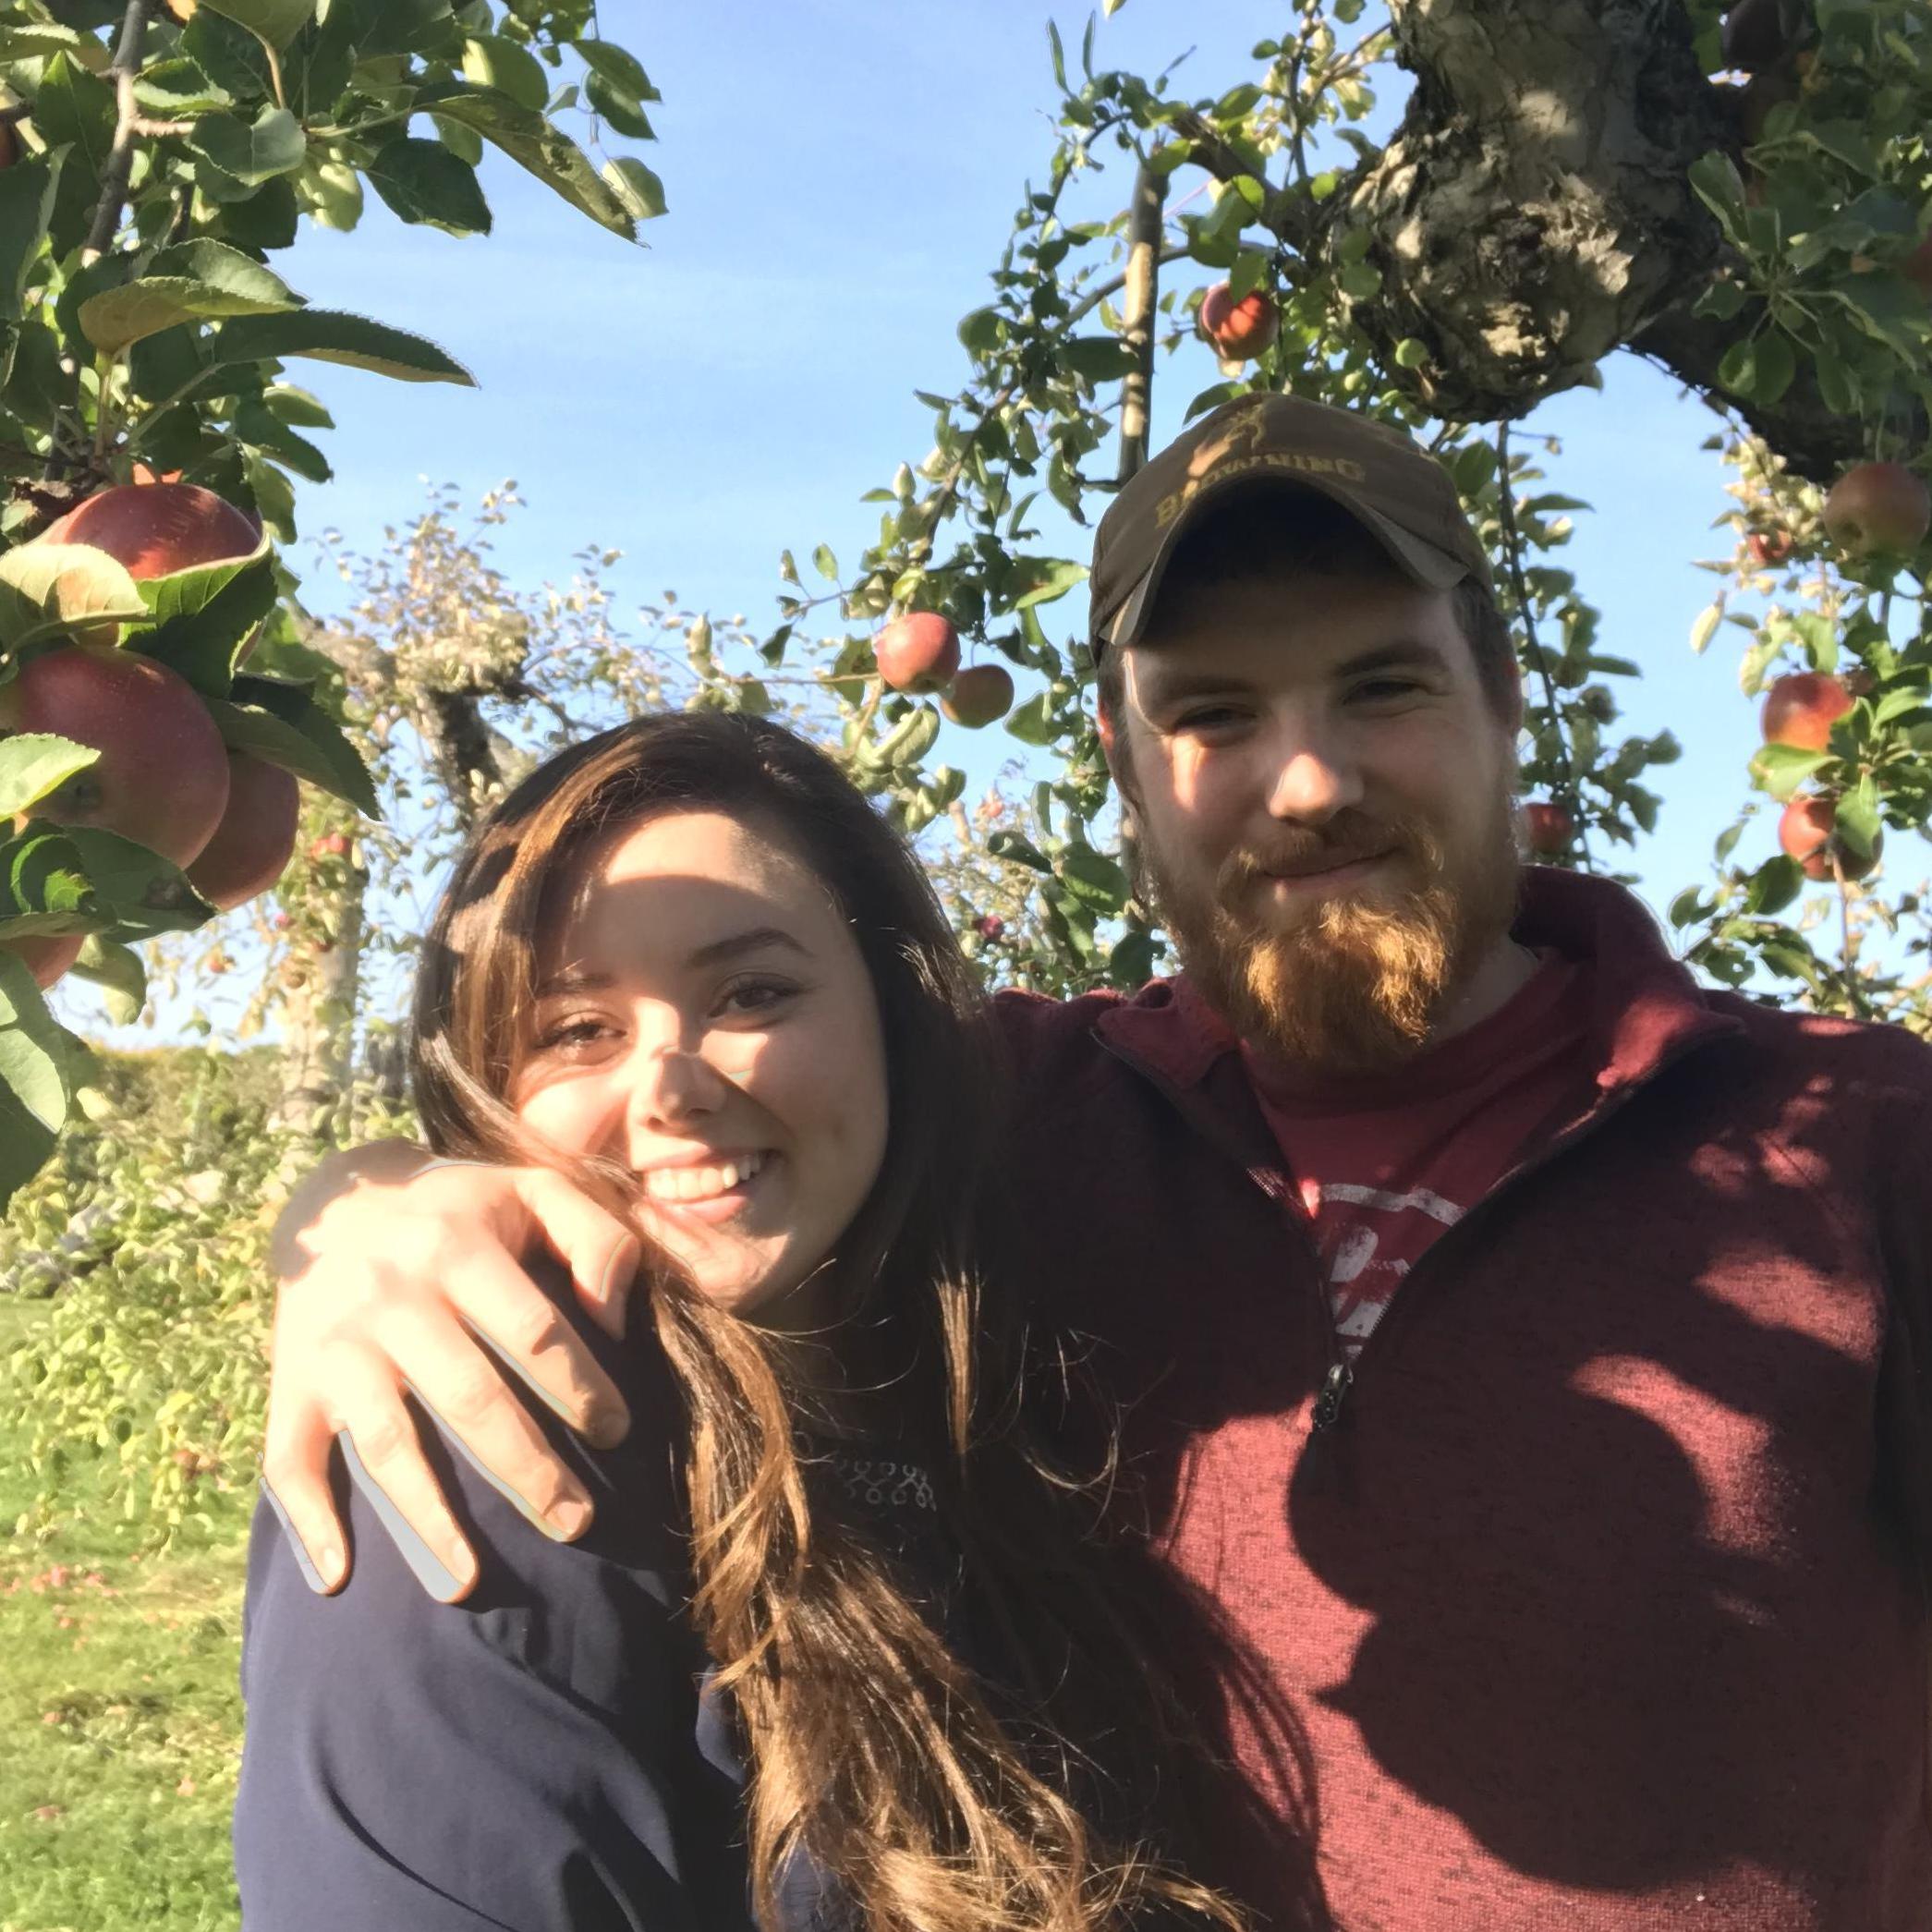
1425 564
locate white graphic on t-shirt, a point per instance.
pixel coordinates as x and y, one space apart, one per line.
1361 1284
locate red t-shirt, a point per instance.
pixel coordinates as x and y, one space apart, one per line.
1385 1162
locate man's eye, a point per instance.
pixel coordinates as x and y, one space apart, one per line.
1213 717
1384 690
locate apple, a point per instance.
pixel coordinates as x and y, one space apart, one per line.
331 844
1753 36
1548 828
1808 832
1917 268
1878 508
1770 548
156 529
48 955
918 652
989 925
1239 330
1801 708
980 694
162 778
251 846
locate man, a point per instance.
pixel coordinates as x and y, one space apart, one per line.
1525 1348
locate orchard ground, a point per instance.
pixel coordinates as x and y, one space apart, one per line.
120 1711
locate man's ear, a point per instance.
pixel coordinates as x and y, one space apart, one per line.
1113 730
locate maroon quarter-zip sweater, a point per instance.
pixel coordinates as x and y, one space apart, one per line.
1600 1592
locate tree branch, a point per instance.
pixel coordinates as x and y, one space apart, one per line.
120 157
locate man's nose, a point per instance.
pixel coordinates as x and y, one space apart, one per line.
1313 779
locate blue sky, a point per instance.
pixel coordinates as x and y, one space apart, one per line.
841 177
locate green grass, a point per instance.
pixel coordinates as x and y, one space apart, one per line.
120 1718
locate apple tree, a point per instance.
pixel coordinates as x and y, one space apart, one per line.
161 712
1742 196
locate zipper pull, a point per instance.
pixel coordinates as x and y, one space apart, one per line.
1335 1386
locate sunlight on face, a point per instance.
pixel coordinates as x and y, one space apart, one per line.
1323 796
707 1019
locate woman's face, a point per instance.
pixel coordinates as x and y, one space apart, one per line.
705 1017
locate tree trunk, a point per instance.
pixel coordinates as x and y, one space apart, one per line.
319 1021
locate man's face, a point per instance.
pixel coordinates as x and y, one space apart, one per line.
1323 794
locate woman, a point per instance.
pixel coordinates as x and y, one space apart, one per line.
687 963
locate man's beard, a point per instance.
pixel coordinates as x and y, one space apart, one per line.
1358 982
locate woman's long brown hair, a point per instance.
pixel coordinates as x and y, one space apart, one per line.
1067 1796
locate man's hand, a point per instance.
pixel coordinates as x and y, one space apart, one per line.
387 1277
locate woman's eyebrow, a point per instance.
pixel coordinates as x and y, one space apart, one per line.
754 939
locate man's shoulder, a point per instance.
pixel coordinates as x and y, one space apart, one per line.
1859 1055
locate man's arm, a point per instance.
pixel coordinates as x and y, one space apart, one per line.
394 1281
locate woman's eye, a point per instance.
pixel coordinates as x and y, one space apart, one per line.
754 996
568 1035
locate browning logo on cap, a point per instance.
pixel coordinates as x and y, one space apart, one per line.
1395 490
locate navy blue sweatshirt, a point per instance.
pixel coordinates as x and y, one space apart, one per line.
539 1758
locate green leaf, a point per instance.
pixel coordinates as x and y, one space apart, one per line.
1717 183
381 26
26 208
274 145
276 21
118 972
634 184
618 108
1130 963
1760 368
1774 885
260 428
177 90
231 56
981 331
298 408
76 109
197 279
1848 141
1094 877
465 144
491 60
329 335
618 66
203 617
826 562
1098 359
1857 819
33 763
1782 769
46 589
33 1086
1032 722
1036 580
145 893
311 747
1011 847
422 181
530 141
34 40
332 192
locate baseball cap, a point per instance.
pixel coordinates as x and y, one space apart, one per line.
1392 486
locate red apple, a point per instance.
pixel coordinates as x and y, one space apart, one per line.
1770 548
331 844
48 955
918 652
251 845
980 694
157 529
1878 508
1548 828
161 777
989 925
1808 831
1239 330
1801 708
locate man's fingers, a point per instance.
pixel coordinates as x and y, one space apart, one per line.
599 1250
528 1330
294 1465
451 1374
385 1458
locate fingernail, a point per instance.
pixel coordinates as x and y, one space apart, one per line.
570 1517
329 1563
607 1428
461 1566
